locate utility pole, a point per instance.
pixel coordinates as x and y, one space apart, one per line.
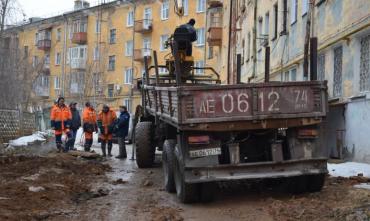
254 42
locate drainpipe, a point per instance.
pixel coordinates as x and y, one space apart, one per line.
254 43
65 54
132 58
230 43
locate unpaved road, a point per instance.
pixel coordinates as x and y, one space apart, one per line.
77 189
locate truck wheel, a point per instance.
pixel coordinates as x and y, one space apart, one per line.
145 147
315 182
168 165
186 192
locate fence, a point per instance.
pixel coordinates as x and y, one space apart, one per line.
15 123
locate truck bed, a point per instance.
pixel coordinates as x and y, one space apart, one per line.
238 107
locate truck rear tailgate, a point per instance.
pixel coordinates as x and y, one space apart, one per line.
243 102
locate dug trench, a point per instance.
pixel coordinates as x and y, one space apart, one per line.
65 187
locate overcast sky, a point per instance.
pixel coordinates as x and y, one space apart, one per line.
40 8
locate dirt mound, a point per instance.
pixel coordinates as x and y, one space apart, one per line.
166 214
34 188
337 201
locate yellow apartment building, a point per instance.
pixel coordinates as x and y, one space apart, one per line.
96 53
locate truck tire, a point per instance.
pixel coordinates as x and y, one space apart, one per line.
168 165
145 147
315 182
186 192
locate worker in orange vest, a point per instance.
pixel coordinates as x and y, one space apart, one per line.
106 124
89 125
60 122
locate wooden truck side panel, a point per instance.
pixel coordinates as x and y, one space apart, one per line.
244 102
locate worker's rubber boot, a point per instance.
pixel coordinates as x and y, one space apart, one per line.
88 144
60 147
110 145
103 148
123 152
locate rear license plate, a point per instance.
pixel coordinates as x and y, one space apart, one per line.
205 152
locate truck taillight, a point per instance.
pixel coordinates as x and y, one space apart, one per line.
198 140
308 133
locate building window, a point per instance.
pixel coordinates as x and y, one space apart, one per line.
165 10
147 44
304 7
248 46
47 59
147 17
96 54
77 57
59 34
112 63
185 4
36 38
276 13
35 61
130 19
293 11
128 75
112 38
96 80
97 26
293 74
267 24
127 103
163 40
285 17
163 71
201 6
321 67
200 37
25 51
56 83
199 64
365 64
129 48
210 52
58 58
110 90
337 82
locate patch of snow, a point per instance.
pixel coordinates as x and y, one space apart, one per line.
349 169
4 198
32 177
27 140
365 186
36 189
80 138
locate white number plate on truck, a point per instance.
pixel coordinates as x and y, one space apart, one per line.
205 152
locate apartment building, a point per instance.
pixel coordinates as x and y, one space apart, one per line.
96 53
343 31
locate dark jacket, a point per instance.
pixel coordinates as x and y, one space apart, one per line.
122 125
76 120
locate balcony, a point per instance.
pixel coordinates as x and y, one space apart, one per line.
143 26
44 44
78 64
139 54
79 38
42 91
215 3
215 30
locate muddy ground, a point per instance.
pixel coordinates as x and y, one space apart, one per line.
63 187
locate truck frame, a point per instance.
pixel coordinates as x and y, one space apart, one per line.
210 132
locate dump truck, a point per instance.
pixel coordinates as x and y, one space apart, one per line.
209 132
